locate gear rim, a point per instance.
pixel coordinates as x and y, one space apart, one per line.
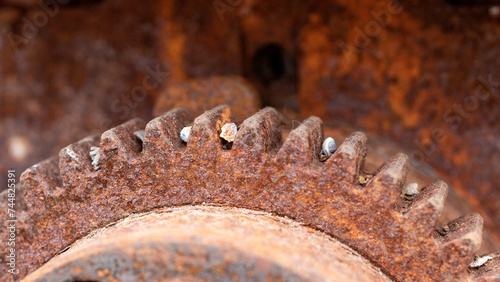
55 192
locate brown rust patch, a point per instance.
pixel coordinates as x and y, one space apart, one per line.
291 181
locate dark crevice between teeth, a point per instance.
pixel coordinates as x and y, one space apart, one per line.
139 135
225 144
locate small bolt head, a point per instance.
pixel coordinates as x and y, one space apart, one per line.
327 148
479 261
228 132
411 189
185 133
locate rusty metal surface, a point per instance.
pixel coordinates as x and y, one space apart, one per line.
414 82
380 149
66 198
489 271
210 244
417 90
420 73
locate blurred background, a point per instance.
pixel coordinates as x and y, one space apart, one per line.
420 74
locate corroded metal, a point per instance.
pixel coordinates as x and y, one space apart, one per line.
422 73
208 243
67 199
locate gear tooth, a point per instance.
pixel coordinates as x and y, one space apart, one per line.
162 133
303 144
387 183
41 185
461 239
485 268
466 230
206 128
120 143
426 208
392 240
259 133
46 207
348 160
75 163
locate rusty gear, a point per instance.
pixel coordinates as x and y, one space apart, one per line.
66 198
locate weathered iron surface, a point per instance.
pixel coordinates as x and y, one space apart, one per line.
211 244
412 81
66 198
420 73
415 73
